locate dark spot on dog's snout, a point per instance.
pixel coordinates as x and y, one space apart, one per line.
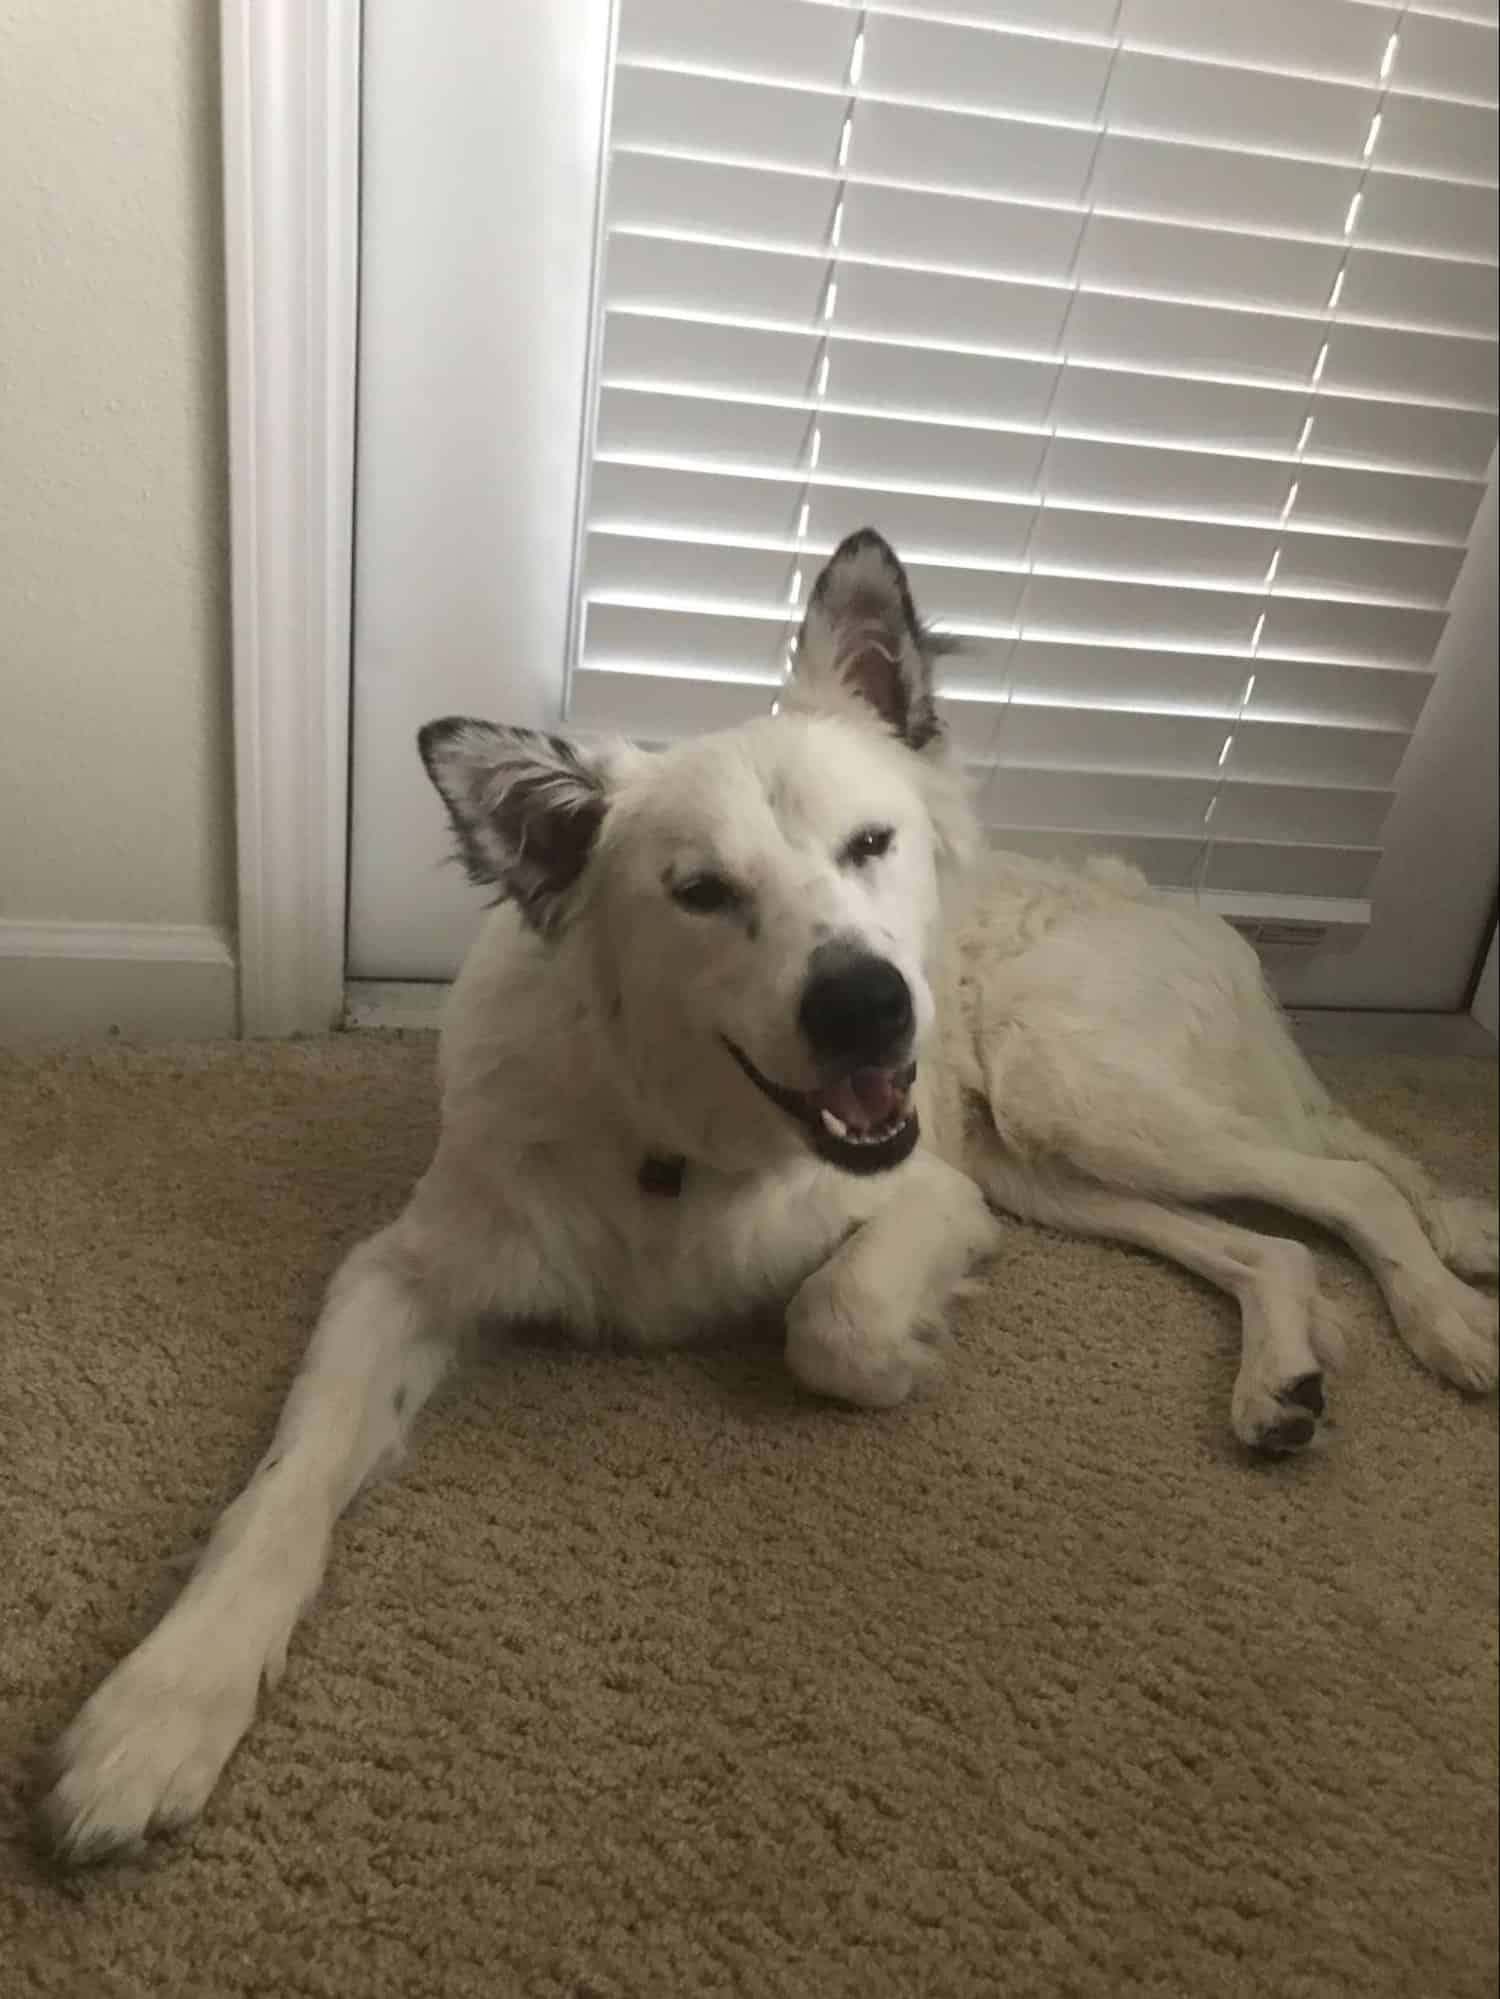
856 1007
398 1401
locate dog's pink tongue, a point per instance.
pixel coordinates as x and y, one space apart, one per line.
866 1098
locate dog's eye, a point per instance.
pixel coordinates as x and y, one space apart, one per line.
705 895
870 843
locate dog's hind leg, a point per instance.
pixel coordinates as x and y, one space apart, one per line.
855 1329
148 1746
1179 1151
1448 1326
1290 1337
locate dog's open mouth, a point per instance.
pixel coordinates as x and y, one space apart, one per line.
865 1122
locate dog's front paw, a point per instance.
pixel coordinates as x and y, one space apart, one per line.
143 1754
846 1348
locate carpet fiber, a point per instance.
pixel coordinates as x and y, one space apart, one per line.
654 1678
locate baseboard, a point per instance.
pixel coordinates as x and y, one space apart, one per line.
383 1004
1338 1031
147 981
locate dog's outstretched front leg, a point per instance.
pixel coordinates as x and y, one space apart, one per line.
854 1329
148 1746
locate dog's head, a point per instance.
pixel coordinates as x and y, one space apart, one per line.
758 908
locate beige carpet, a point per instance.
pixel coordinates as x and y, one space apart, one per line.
652 1678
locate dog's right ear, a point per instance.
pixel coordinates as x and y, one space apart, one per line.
526 808
862 647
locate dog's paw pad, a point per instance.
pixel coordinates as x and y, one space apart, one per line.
1280 1420
1306 1392
1291 1433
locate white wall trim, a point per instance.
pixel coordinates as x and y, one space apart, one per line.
481 142
148 980
291 206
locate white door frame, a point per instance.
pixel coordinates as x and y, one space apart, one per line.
481 172
291 226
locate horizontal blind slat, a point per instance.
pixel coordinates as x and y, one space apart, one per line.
1390 286
1419 438
1419 135
1022 159
1373 361
1163 98
1036 739
785 41
1407 212
942 63
1357 697
1158 258
1485 13
757 124
696 644
1176 180
1087 19
1326 815
1236 867
1445 59
1321 38
657 707
1277 752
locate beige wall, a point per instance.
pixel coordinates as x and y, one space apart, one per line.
115 782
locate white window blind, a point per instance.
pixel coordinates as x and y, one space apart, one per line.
1158 335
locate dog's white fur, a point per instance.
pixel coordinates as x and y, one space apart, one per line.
1091 1058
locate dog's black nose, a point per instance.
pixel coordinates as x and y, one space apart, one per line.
857 1011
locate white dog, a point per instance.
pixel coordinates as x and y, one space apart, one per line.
747 1029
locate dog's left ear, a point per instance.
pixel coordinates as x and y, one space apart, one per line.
862 640
526 808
